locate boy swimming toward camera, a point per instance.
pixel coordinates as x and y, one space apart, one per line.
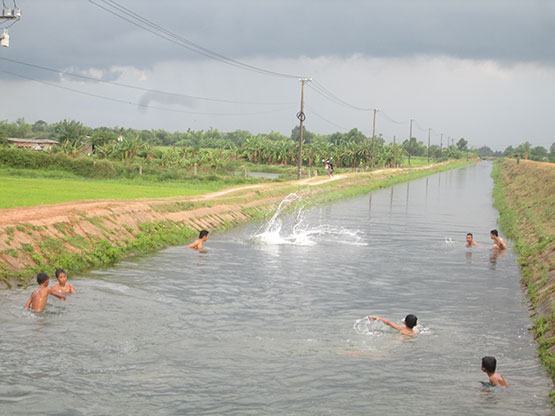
62 286
39 297
198 244
406 329
489 365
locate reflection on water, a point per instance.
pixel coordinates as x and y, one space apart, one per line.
263 328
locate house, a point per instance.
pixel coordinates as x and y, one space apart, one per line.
35 144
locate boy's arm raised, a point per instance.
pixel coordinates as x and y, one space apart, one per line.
387 322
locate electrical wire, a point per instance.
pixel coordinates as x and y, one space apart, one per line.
121 101
134 18
311 111
326 93
120 84
390 119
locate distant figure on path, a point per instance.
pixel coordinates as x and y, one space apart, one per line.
407 329
37 300
198 244
328 166
62 286
498 242
470 241
495 379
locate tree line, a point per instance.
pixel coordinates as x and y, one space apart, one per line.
211 148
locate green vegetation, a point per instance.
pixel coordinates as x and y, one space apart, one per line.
117 152
522 151
524 194
24 191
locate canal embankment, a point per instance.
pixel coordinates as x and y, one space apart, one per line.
524 194
83 235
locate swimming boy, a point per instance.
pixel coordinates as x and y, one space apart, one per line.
407 329
470 241
198 244
62 286
498 242
37 300
488 366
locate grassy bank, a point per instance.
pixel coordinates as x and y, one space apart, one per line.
524 194
80 239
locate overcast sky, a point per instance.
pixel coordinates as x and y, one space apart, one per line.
480 69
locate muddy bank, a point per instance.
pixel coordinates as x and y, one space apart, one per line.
82 235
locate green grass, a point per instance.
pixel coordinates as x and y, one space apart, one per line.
29 191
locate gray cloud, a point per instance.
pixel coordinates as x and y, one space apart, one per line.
80 35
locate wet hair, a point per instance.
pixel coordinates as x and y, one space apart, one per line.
489 364
494 232
58 272
203 234
41 278
410 321
470 234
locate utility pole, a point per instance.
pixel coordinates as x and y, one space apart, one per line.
429 132
374 125
441 143
410 134
302 117
393 139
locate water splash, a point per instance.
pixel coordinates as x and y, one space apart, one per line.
296 231
365 326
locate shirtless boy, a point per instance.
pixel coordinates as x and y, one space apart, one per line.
198 244
62 286
498 242
470 241
407 329
37 300
488 366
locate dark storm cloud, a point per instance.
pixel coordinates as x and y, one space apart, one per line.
76 34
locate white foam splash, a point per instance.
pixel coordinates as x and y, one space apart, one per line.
365 326
298 233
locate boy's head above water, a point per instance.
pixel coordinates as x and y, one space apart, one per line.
61 275
203 235
42 278
410 321
494 233
489 364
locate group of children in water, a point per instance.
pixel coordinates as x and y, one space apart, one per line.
39 297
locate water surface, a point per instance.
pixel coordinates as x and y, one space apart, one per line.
253 328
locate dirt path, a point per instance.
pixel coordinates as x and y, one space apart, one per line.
50 214
33 237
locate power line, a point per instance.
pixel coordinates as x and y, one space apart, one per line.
120 84
134 18
392 120
325 119
121 101
326 93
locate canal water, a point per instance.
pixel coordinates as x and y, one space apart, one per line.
274 324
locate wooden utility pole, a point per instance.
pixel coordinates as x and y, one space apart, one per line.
410 133
374 125
429 132
441 142
302 117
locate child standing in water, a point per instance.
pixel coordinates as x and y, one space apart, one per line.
498 243
62 286
488 366
198 244
406 329
37 300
